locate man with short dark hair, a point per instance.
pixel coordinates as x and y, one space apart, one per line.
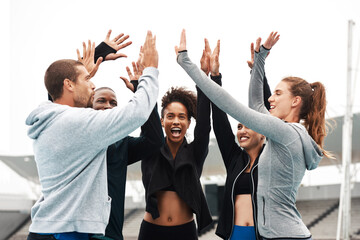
70 143
125 152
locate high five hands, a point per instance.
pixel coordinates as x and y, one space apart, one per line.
182 45
210 61
269 43
117 44
148 55
88 58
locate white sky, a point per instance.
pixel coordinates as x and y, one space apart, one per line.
313 45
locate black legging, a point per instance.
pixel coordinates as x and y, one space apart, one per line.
149 231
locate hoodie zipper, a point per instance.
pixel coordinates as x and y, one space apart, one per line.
232 196
253 201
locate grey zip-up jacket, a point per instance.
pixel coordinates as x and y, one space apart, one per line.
288 153
70 152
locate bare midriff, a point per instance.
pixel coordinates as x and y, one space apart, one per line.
243 210
173 210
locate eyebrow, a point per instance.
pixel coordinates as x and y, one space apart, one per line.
174 113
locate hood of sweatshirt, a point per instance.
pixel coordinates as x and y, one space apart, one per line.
312 152
43 115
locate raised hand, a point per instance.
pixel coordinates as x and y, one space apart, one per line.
88 58
149 57
133 77
251 62
271 40
141 54
182 45
205 58
253 50
214 60
117 44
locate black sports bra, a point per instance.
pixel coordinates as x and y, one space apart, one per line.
242 185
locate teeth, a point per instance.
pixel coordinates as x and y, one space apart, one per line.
176 129
271 107
244 138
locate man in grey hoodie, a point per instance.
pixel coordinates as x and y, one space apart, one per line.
70 143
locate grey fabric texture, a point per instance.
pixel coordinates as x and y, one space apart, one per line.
70 152
289 151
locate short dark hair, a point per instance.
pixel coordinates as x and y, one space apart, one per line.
57 72
181 95
103 88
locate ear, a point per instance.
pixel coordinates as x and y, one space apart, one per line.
296 101
69 85
162 122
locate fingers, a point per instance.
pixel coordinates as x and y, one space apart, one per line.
258 42
118 37
183 40
92 50
182 45
108 35
129 72
217 49
128 84
272 40
94 70
124 45
78 54
183 37
207 46
135 70
88 51
126 81
252 51
84 50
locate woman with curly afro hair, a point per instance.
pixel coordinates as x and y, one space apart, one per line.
171 176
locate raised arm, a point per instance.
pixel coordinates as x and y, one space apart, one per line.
267 91
106 127
108 49
256 87
267 125
225 138
151 136
202 128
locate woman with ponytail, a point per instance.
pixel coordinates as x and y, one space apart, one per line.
294 127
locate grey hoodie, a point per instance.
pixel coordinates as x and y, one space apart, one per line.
70 153
288 153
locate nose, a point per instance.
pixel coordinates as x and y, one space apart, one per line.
271 98
107 105
176 121
242 130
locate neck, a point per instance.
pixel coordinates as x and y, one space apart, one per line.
65 101
293 116
174 147
254 152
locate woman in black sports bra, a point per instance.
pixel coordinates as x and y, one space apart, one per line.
237 219
171 176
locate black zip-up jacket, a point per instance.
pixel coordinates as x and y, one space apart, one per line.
183 173
236 160
123 153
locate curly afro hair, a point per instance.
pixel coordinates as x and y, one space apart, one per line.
181 95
